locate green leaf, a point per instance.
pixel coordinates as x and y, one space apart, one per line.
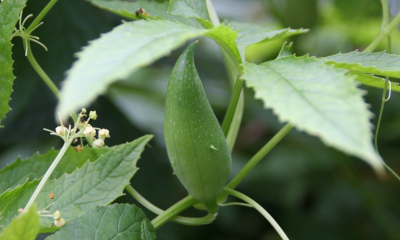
189 8
372 81
128 10
226 37
9 15
250 34
117 222
118 54
95 183
23 227
36 166
285 51
319 99
379 63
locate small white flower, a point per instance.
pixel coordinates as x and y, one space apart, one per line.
89 131
59 222
83 110
98 143
93 115
104 133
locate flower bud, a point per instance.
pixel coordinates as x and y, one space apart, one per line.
59 222
83 110
56 215
89 131
93 115
61 130
98 143
104 133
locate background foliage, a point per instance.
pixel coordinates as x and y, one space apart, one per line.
313 191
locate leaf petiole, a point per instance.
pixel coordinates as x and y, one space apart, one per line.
178 219
260 209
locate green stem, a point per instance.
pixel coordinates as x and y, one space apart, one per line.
178 219
260 209
173 211
212 13
236 121
389 50
41 73
259 155
386 31
41 15
230 112
385 14
47 174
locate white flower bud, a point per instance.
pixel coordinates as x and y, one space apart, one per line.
83 110
61 129
59 222
93 115
98 143
90 132
104 133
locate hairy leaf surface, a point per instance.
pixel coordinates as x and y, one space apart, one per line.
250 34
95 183
9 14
117 222
155 9
23 227
116 55
119 53
191 8
316 98
380 63
36 166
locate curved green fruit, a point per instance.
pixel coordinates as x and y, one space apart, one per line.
196 145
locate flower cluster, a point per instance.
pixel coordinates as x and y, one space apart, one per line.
82 128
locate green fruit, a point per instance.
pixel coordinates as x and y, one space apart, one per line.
196 145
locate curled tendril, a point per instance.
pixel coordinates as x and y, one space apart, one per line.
21 32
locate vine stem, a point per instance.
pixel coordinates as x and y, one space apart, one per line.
259 208
173 211
41 73
178 219
230 112
383 33
47 174
259 155
41 15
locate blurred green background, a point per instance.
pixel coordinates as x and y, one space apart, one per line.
314 192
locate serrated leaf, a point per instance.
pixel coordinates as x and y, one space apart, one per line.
116 55
285 50
251 33
119 53
23 227
373 81
9 15
36 166
145 232
95 183
317 98
117 222
380 63
128 10
189 8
